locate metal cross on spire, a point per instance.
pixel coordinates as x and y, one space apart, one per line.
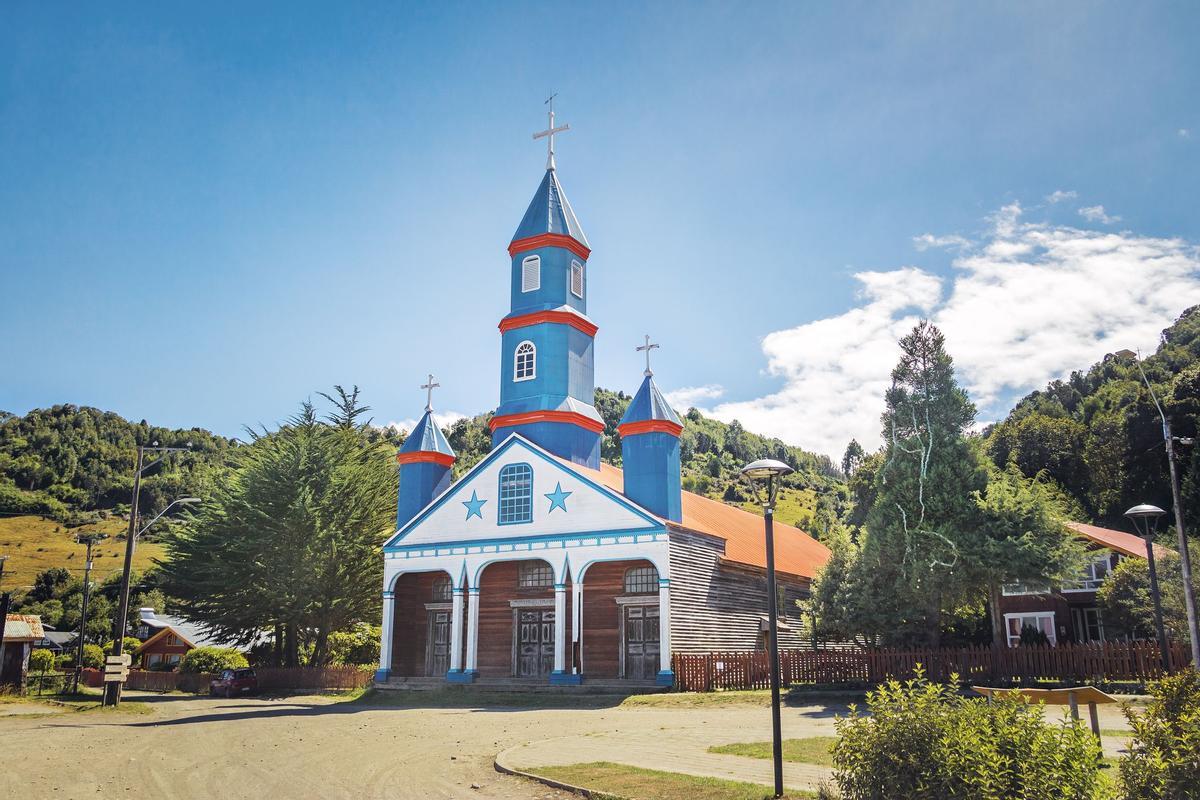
648 347
429 398
548 134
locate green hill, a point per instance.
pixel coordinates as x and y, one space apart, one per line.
1098 433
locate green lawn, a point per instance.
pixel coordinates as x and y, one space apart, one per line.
812 750
33 544
752 697
634 783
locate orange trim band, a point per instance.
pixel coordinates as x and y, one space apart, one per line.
650 426
561 317
425 456
566 417
548 240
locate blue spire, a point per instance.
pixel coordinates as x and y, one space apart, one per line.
550 212
649 404
427 437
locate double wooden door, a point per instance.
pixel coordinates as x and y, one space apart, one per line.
534 646
640 647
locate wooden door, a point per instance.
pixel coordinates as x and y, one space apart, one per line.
641 642
535 642
437 657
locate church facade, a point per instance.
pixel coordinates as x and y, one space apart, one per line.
543 564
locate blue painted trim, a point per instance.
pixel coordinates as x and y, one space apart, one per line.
456 590
664 581
588 565
560 587
565 679
665 677
459 676
382 675
638 535
513 440
388 594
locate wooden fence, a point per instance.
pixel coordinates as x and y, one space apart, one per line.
1076 663
269 679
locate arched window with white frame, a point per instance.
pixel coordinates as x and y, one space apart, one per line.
525 362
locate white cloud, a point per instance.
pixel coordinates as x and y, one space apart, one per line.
928 240
1184 133
1058 195
1027 304
443 420
691 396
1097 214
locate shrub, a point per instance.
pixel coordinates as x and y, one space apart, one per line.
128 645
923 741
1164 760
93 656
359 645
41 661
211 659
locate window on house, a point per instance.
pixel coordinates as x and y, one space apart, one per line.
1089 625
531 274
172 639
534 575
1093 575
525 362
516 494
1010 589
641 580
441 590
1042 621
577 279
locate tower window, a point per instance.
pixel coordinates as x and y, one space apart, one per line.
531 274
525 362
577 279
516 494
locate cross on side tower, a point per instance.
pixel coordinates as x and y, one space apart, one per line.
648 347
548 134
429 398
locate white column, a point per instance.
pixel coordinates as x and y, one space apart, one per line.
664 625
560 627
577 623
385 645
473 629
456 630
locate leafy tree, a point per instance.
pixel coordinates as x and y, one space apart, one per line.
1128 606
128 645
93 656
1162 764
49 583
211 659
41 661
291 541
358 645
852 458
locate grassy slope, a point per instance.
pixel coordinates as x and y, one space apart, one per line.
620 781
33 544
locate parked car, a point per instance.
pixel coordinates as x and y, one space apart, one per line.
233 682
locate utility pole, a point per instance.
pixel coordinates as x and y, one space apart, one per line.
4 601
87 586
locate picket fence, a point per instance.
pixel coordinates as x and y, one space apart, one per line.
269 679
1102 662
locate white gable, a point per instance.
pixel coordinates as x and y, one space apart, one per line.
582 506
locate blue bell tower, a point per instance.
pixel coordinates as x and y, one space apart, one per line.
425 460
650 433
547 381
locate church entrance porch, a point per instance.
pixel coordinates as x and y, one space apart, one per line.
535 642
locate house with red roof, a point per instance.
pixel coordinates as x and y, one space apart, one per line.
1070 613
542 565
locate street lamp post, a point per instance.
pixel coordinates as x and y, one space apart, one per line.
770 472
112 689
1145 521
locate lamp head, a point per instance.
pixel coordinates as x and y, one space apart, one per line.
1145 518
765 468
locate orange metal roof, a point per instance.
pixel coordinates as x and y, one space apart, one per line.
796 553
21 627
1124 543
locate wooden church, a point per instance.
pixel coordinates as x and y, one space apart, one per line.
543 565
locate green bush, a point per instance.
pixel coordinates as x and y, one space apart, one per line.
359 645
93 656
128 645
1164 761
212 659
41 661
924 741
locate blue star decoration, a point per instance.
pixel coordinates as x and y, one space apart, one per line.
558 498
474 506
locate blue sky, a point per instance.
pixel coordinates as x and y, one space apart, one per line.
207 215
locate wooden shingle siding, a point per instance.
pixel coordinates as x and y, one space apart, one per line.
718 607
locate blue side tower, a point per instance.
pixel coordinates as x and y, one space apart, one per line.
650 452
547 382
425 460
